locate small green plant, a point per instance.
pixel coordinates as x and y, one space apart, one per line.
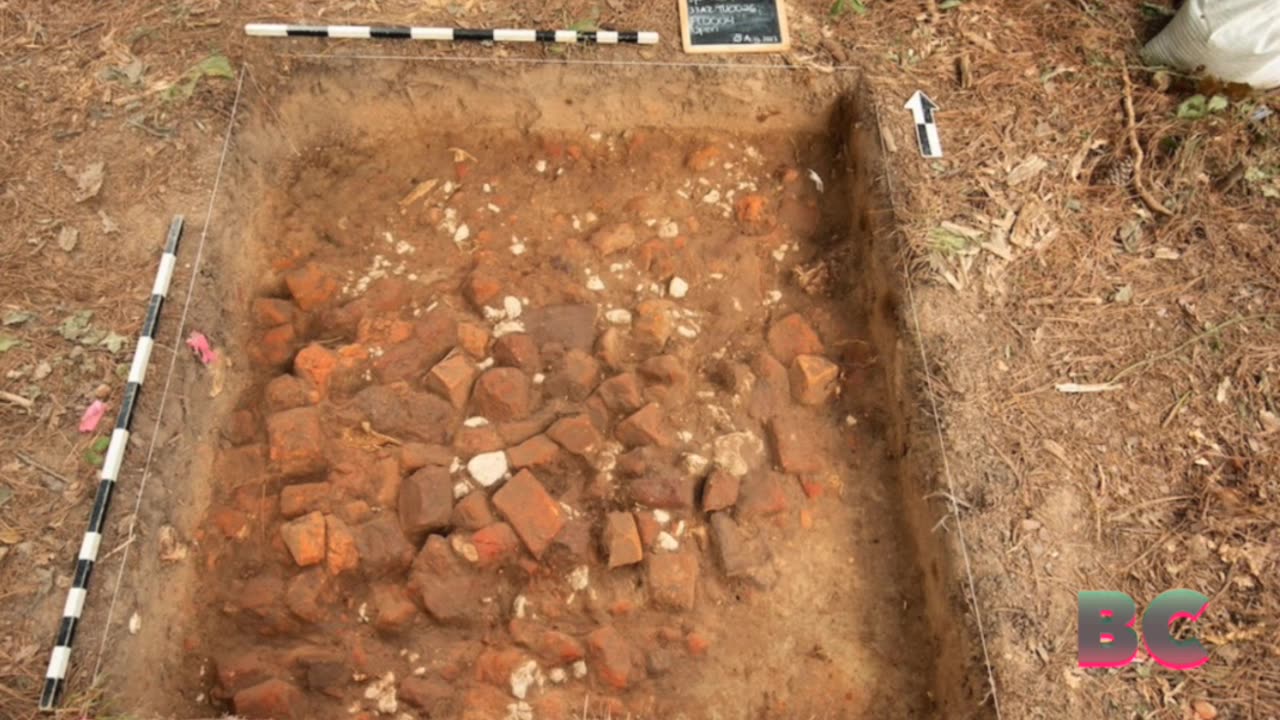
1198 107
96 454
215 66
840 8
949 243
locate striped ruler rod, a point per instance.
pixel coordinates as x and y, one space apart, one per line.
60 658
372 32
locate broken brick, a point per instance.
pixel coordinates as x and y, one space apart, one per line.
517 350
271 312
286 392
341 554
813 379
417 455
480 288
296 442
610 656
720 491
612 349
305 538
663 488
315 363
762 494
653 324
673 579
392 609
472 512
451 378
537 450
274 348
645 427
581 373
403 413
703 159
570 326
303 498
474 340
449 590
696 643
472 441
622 393
752 213
621 540
426 500
383 547
270 699
435 698
535 515
307 595
612 238
552 646
576 434
310 286
496 544
666 369
502 394
796 450
739 554
792 336
575 541
648 526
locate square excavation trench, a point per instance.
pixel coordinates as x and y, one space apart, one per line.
627 289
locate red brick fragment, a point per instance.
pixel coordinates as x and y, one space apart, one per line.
646 426
576 434
621 540
305 538
792 336
296 442
610 657
813 379
451 379
535 515
273 698
502 394
534 452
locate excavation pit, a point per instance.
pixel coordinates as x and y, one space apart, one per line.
562 395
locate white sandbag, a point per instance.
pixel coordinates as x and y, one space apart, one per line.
1234 40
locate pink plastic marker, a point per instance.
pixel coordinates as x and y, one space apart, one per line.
199 345
92 416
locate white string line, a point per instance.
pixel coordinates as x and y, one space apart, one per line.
568 61
942 448
173 362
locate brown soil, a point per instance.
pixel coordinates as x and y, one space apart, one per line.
816 608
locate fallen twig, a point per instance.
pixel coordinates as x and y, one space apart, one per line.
15 399
1170 353
1136 146
1089 388
44 469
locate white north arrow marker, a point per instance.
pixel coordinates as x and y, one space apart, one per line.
922 108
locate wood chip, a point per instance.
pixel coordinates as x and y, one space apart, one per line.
419 192
1027 170
980 41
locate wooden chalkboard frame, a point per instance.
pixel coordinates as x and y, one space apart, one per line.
689 47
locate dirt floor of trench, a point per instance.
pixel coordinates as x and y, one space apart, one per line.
562 417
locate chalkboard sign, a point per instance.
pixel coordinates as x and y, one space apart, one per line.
734 25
